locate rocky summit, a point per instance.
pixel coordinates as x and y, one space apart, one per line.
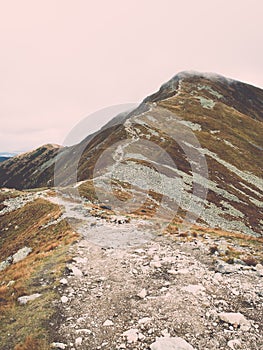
146 235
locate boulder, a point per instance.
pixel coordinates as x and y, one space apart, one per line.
21 254
58 345
26 298
171 343
236 319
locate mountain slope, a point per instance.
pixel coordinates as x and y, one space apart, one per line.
30 169
3 159
197 121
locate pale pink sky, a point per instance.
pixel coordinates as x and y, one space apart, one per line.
62 60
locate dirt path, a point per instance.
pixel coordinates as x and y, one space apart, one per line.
126 286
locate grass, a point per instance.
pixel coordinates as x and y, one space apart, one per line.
28 326
32 343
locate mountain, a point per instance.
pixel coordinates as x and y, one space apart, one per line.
5 156
30 169
203 133
78 274
2 159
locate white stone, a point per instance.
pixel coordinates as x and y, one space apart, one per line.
142 293
236 319
26 298
144 320
11 283
21 254
64 299
63 281
194 288
108 323
234 344
235 291
171 343
4 265
59 345
156 264
76 271
259 269
224 268
132 335
141 336
78 341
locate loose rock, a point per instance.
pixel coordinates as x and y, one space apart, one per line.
171 343
21 254
235 319
26 298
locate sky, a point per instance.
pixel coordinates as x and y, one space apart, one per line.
64 60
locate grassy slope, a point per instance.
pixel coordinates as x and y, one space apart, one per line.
35 274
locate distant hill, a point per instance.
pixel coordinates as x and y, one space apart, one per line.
6 155
2 159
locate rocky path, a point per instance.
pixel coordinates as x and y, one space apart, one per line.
126 288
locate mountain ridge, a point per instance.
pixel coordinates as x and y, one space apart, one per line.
224 115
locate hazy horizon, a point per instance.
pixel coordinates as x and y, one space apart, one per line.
62 61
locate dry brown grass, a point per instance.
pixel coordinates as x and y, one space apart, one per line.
32 343
49 246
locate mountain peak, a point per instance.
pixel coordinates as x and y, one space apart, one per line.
173 86
203 75
187 85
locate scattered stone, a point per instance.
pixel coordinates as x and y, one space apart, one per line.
64 299
144 320
164 308
194 289
64 281
234 344
108 323
225 268
75 271
132 335
235 291
4 264
171 343
156 264
139 251
78 341
11 283
59 345
26 298
21 254
142 294
235 319
259 269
